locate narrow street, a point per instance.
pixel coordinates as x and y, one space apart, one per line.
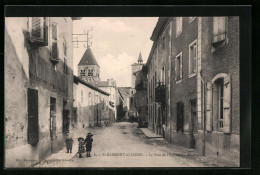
122 145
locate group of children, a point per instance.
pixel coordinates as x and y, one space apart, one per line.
82 144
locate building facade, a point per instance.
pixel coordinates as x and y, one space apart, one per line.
109 86
90 105
219 100
194 66
38 87
140 97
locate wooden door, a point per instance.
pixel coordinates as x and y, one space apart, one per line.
33 125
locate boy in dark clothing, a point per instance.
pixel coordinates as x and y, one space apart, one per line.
88 142
69 142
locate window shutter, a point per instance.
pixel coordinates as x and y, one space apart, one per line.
181 66
209 107
219 29
195 57
227 104
37 27
175 68
182 116
54 44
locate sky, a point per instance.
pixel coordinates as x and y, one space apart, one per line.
116 44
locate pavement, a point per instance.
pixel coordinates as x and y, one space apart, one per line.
120 145
123 144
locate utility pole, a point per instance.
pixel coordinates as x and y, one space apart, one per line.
76 41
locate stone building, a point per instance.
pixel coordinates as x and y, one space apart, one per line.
218 92
140 96
38 87
194 66
135 68
109 86
90 105
126 93
89 72
159 66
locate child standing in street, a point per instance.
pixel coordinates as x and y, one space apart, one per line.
81 146
69 142
88 142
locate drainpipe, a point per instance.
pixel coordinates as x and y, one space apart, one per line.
204 118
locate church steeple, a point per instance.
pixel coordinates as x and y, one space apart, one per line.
88 68
140 59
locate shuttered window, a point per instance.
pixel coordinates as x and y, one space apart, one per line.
178 26
219 29
54 48
227 104
218 104
178 67
192 58
38 31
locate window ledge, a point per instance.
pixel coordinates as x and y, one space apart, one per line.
179 81
192 75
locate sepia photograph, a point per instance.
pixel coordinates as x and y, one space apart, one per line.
111 92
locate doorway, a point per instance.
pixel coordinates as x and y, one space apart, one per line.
193 123
65 118
53 123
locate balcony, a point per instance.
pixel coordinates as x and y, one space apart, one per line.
160 94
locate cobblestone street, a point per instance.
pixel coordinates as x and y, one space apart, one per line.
121 145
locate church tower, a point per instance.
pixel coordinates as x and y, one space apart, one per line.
136 67
88 68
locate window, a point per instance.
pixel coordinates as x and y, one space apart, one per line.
82 72
192 58
89 98
163 43
65 66
191 18
178 26
54 44
178 68
218 104
90 72
180 116
38 31
163 76
219 29
33 126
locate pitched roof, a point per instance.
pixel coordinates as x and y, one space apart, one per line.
88 58
78 80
